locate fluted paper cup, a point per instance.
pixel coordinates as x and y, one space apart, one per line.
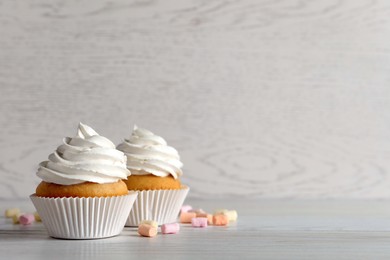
161 206
84 218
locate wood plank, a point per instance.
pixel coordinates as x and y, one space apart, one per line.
270 99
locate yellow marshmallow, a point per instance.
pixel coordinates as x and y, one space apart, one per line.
9 213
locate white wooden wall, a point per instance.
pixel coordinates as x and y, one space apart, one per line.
279 99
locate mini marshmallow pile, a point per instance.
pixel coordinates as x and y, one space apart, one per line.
200 218
22 218
197 217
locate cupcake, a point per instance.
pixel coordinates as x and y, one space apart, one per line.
82 194
155 173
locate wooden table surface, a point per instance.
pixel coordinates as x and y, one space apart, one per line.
266 229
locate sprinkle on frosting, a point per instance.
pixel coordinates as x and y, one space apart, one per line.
87 157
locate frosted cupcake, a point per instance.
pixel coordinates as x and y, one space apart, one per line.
82 195
156 171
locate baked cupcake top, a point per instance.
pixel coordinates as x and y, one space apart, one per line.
148 153
87 157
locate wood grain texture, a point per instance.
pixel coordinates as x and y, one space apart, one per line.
281 99
266 229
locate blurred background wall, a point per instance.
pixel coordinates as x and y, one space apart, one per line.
262 98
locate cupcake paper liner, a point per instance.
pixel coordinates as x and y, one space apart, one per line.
84 218
162 206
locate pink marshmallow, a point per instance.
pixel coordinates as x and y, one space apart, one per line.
185 208
26 219
199 222
171 228
205 215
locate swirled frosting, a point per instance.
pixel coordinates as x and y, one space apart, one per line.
87 157
148 153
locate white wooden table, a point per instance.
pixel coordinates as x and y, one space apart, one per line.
267 229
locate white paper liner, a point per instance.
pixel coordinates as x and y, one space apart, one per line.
162 206
84 218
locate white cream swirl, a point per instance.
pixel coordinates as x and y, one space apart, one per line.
148 153
88 157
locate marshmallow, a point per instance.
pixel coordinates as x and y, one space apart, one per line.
209 219
197 211
171 228
220 220
199 222
147 230
26 219
37 217
232 214
220 211
149 222
205 215
15 218
185 208
186 217
9 213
